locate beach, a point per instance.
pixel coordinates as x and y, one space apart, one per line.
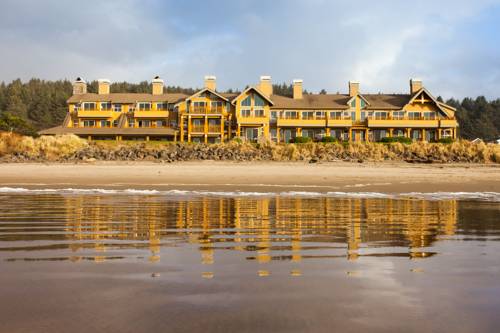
390 177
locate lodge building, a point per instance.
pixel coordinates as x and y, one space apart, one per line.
210 116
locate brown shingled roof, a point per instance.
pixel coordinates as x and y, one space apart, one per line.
127 98
311 101
387 101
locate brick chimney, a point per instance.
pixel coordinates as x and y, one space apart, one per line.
415 85
266 85
297 89
211 82
79 86
353 88
103 86
158 85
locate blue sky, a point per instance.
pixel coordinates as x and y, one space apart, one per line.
453 46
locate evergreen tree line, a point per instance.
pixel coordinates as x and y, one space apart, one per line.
26 107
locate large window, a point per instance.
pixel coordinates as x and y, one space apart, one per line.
144 106
89 106
247 101
259 101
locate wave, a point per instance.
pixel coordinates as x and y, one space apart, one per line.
481 196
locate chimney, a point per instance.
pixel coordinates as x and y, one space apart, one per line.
79 86
297 89
353 88
103 86
266 85
210 82
158 85
415 85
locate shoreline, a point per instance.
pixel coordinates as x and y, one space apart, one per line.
274 177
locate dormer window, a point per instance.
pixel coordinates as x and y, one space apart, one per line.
144 106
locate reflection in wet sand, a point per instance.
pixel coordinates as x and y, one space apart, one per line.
258 229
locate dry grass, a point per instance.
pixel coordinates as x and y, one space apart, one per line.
44 147
60 147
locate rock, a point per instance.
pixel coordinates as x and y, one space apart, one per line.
314 160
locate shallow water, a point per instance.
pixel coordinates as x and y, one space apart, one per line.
79 262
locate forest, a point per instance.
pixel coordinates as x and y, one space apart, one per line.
26 107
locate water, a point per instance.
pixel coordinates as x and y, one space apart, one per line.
129 262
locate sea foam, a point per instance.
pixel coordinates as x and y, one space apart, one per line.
481 196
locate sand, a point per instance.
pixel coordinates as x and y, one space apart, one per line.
257 176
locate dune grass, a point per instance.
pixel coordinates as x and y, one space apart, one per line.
53 148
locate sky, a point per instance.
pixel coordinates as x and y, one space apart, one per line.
452 45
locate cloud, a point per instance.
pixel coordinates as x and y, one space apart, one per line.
326 43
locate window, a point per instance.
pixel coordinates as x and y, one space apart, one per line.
75 123
414 115
115 123
216 106
259 101
106 106
308 115
131 123
117 107
398 133
398 115
105 123
144 123
245 113
381 115
446 133
144 106
161 106
353 103
273 132
291 115
247 101
353 115
89 106
320 114
363 115
363 103
77 107
89 123
259 113
274 114
199 107
431 115
161 123
336 115
131 108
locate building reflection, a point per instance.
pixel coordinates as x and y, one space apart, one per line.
260 229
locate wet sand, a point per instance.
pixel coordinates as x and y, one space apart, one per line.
257 176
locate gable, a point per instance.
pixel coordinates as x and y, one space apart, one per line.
423 100
207 93
257 94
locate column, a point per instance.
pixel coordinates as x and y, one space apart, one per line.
277 134
238 131
423 134
222 129
206 138
299 131
350 134
327 131
439 134
391 131
367 135
182 128
147 137
189 128
408 133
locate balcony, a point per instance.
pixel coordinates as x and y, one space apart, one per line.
301 121
197 129
416 122
448 123
95 113
207 110
150 114
252 118
214 128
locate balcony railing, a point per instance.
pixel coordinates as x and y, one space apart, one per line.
198 128
207 110
391 117
213 128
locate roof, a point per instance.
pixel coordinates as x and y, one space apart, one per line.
233 100
126 98
107 131
311 101
387 101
